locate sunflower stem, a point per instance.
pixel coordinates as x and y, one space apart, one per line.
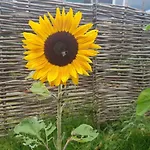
59 115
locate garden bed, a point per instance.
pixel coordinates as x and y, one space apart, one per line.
124 134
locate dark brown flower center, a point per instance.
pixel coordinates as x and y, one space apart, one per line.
61 48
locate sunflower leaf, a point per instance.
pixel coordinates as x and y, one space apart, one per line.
84 133
39 88
143 102
33 132
32 143
27 141
30 75
30 126
49 129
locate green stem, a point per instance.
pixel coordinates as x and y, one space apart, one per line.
47 148
59 114
43 143
68 141
46 137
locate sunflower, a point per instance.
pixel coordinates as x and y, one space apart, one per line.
59 49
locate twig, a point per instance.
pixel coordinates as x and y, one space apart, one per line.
68 141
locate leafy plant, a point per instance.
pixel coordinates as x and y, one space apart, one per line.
84 133
143 102
39 88
147 27
35 132
31 131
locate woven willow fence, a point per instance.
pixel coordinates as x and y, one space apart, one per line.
121 70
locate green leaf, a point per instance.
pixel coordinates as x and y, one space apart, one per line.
31 130
30 75
147 27
32 143
39 88
49 129
84 133
143 102
31 126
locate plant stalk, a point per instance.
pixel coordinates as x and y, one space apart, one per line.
44 144
68 141
59 115
47 148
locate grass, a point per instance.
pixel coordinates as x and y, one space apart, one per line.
126 134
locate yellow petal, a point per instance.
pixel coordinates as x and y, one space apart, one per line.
83 58
95 46
32 51
92 33
33 55
35 75
57 81
39 75
85 45
72 71
51 18
50 28
58 14
33 42
31 36
37 29
64 73
43 79
76 21
89 36
68 20
33 47
43 26
88 52
53 73
75 80
36 65
35 26
85 73
77 66
82 29
38 61
63 19
85 65
27 52
58 20
43 72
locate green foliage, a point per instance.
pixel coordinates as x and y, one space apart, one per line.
143 102
130 133
12 143
125 134
147 27
39 88
84 133
135 134
30 75
31 129
34 133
